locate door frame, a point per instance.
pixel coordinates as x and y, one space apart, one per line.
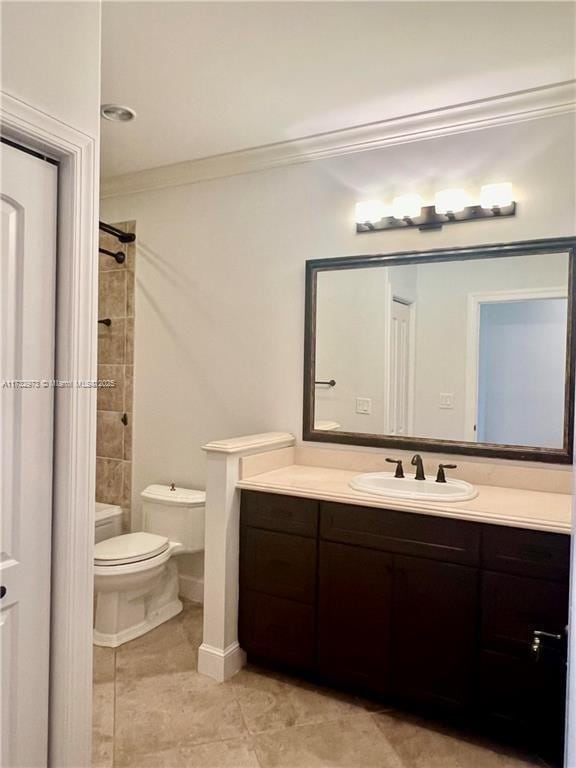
70 703
411 304
475 300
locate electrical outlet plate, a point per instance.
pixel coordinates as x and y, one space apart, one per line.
446 399
364 405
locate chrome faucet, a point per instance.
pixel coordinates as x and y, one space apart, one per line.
417 462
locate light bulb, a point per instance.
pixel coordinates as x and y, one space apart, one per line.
450 201
407 206
496 195
370 211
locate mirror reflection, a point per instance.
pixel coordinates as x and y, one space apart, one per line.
470 350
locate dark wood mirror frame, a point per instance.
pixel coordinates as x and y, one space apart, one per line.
562 455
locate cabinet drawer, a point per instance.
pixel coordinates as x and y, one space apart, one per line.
514 606
279 564
526 553
401 532
279 513
277 630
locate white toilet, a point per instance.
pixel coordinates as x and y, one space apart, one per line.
135 575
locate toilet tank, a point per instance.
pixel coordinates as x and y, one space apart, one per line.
175 512
107 521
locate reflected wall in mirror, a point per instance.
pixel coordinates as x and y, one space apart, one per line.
466 350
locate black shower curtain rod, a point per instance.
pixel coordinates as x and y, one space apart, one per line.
123 237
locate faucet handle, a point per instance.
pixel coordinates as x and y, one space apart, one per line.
399 470
441 477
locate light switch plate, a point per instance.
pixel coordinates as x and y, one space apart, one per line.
446 399
364 405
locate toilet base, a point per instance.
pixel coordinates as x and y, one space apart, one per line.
132 599
151 622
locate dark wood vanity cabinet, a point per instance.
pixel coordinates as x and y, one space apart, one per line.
397 607
278 579
425 610
434 630
355 594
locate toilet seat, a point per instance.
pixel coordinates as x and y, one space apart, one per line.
129 548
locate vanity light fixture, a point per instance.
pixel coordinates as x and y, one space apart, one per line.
496 195
370 211
450 201
451 206
407 206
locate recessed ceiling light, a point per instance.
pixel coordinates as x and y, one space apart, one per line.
117 113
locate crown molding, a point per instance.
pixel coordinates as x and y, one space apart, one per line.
518 107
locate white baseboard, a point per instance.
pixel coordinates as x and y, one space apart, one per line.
220 665
191 588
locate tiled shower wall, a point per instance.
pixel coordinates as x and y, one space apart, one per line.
116 362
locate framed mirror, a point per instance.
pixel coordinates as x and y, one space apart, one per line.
462 350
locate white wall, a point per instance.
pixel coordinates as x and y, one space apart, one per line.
351 329
50 59
220 274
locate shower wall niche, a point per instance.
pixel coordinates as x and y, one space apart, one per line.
115 362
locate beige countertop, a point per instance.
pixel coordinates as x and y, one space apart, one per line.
519 508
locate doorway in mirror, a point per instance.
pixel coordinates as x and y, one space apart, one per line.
521 349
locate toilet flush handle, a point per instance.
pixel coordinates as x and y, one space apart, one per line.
172 486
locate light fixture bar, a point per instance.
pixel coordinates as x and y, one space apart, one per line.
429 219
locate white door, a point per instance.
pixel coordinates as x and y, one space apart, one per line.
400 335
28 199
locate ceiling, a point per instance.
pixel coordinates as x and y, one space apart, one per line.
212 77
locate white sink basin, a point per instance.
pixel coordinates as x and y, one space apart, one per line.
385 484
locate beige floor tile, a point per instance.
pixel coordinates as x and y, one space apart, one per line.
191 619
164 650
236 753
178 709
354 742
103 664
422 745
103 725
263 699
270 701
314 704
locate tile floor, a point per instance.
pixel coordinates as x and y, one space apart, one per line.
153 710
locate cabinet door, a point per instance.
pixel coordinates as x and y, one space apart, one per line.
434 631
515 684
354 615
276 630
278 597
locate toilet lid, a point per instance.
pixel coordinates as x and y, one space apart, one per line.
129 548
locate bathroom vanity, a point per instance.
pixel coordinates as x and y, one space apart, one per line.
323 561
444 613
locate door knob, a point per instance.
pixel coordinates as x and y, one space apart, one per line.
537 641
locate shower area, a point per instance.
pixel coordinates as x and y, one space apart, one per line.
115 364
